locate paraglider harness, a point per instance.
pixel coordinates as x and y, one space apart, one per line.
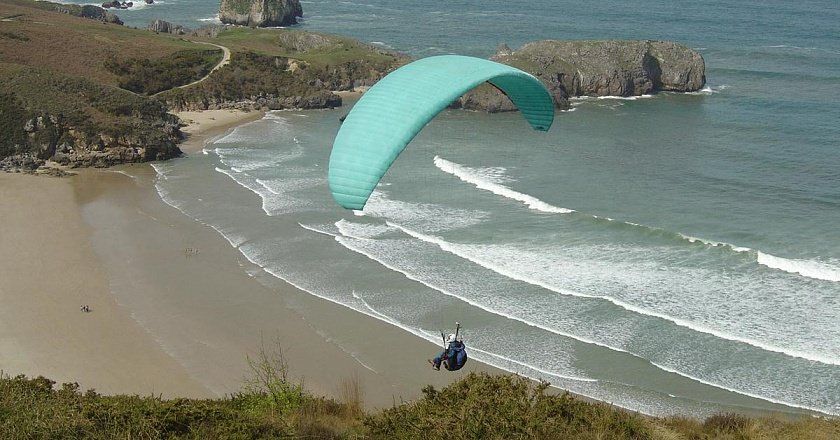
454 354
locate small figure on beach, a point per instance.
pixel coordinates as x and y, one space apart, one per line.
85 308
454 354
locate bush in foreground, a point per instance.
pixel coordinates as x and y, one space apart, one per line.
480 406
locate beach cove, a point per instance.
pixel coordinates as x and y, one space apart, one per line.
174 310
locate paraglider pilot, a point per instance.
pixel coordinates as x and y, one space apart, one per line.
453 357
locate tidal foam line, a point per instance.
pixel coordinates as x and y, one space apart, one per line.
342 238
435 340
807 268
470 256
755 396
481 182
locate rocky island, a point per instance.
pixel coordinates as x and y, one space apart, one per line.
597 68
260 13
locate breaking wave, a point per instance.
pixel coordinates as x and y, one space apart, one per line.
488 181
491 178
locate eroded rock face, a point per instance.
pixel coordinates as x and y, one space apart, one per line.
165 27
598 68
49 138
260 13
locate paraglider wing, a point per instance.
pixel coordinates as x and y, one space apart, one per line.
393 111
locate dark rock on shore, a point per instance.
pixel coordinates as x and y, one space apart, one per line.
597 68
315 100
85 11
21 163
50 138
260 13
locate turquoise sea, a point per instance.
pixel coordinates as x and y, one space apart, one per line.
669 254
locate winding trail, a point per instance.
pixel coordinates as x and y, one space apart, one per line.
225 60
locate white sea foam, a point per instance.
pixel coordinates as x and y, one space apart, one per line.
808 268
691 239
488 358
355 236
123 173
817 270
484 179
344 234
808 49
487 179
708 90
625 98
431 217
213 19
504 271
753 395
274 193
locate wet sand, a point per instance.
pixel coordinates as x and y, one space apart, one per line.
203 126
48 269
175 309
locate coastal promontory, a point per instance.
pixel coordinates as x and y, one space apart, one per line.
260 13
597 68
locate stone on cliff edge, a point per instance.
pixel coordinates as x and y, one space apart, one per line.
260 13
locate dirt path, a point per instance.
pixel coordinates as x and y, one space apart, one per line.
225 60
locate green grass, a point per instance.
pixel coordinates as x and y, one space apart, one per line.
150 76
275 42
76 46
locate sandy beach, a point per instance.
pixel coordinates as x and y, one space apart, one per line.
203 125
48 270
175 309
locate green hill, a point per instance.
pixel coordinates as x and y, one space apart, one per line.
82 90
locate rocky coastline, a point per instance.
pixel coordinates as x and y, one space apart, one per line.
303 73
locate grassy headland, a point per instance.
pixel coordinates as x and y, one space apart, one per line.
77 87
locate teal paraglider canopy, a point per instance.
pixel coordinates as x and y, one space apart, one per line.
393 111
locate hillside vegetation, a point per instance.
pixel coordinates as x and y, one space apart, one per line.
76 46
150 76
480 406
77 86
283 68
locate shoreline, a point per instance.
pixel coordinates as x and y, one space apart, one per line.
165 321
203 125
201 313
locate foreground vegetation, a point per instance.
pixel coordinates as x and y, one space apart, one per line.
479 406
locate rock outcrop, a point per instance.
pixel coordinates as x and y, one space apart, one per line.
50 138
165 27
85 11
597 68
260 13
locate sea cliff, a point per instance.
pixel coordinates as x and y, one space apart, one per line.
597 68
260 13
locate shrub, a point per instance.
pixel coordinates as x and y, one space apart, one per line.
12 119
150 76
503 407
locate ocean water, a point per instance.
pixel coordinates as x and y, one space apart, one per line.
669 254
